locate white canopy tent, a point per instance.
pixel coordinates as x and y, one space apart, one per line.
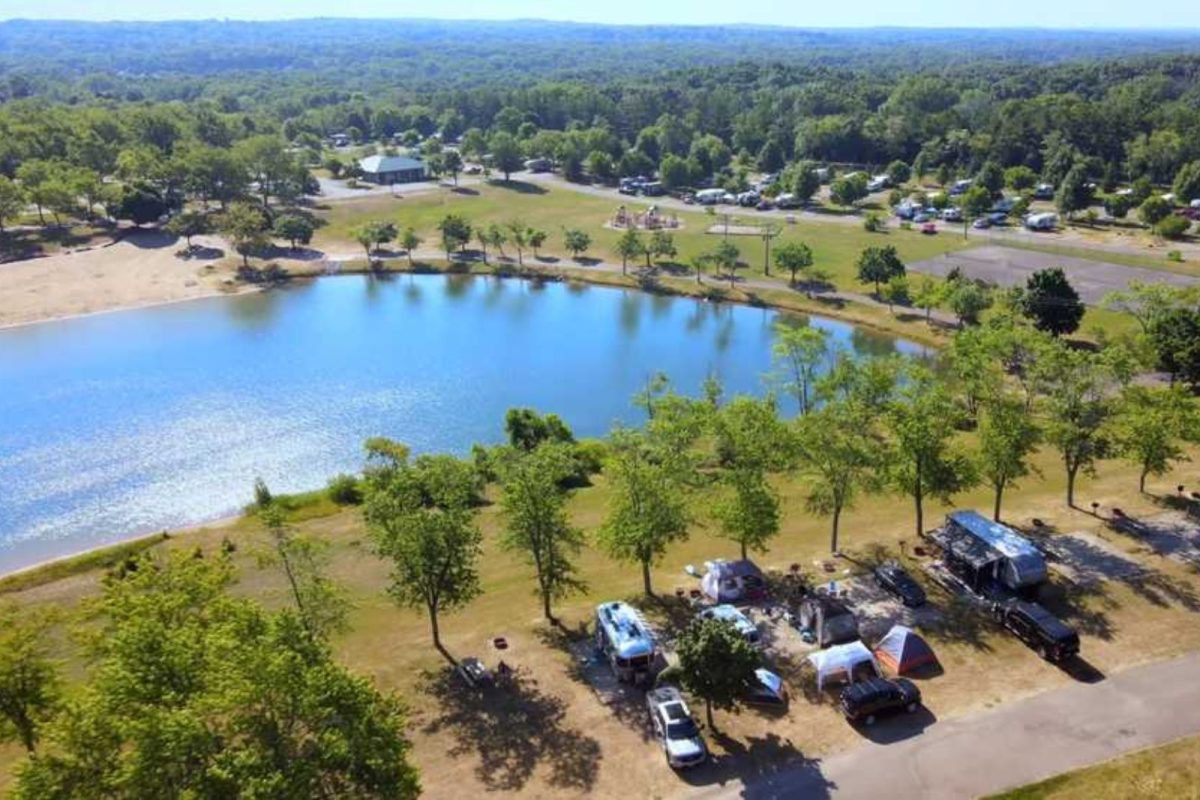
841 662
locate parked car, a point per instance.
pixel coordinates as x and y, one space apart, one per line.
981 224
676 730
730 614
922 216
748 199
952 214
765 205
787 200
729 198
867 700
893 577
998 218
769 690
929 228
653 189
1052 638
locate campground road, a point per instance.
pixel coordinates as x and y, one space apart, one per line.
1030 740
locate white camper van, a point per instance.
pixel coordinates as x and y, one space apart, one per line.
1041 222
710 197
623 636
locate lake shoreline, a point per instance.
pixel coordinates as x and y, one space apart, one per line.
688 289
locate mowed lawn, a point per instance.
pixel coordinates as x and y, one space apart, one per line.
554 736
1169 771
835 247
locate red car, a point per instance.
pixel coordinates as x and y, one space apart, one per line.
929 227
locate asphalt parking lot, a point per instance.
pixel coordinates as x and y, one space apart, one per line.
1011 266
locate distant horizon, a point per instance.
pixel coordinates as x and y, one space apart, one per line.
1065 15
1172 29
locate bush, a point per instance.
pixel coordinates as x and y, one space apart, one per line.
262 494
590 455
873 223
906 225
343 489
1175 255
1172 227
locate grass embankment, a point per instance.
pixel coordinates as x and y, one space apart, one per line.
1122 625
1168 771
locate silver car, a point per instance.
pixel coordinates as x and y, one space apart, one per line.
676 730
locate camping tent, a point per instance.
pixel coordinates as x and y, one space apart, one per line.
731 581
903 651
843 662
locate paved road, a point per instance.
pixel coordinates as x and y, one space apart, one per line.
1009 266
1026 741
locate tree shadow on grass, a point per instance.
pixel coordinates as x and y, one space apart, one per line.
775 765
513 728
521 187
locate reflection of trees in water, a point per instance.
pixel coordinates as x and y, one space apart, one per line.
660 304
724 335
699 316
866 343
413 292
494 292
577 287
630 314
457 286
257 310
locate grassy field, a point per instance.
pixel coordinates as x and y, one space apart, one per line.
1170 771
554 736
836 247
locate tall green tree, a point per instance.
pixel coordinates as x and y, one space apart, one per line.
749 514
924 461
12 201
536 524
839 453
716 664
246 228
1077 409
321 605
29 678
1052 303
1150 426
795 257
647 511
506 153
456 233
1008 437
629 245
798 352
576 242
878 265
197 693
726 256
421 521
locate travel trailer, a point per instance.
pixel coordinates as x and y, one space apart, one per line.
623 636
989 557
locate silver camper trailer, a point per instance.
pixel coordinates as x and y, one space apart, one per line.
987 555
623 636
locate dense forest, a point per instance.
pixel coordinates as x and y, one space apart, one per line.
1125 105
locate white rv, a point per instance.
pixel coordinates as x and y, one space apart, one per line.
710 197
878 183
1041 222
623 636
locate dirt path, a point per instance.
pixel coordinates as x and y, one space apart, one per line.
1016 744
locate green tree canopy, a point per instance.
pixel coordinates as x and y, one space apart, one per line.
716 664
1052 303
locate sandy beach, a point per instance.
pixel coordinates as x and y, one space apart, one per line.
140 270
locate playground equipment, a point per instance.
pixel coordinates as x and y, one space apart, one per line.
650 220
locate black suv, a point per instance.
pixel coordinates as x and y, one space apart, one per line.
892 577
866 700
1052 638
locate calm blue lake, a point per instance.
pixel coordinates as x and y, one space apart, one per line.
136 421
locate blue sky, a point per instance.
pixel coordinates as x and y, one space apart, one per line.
798 13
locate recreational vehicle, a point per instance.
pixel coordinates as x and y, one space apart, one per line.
623 636
989 557
710 197
1041 222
